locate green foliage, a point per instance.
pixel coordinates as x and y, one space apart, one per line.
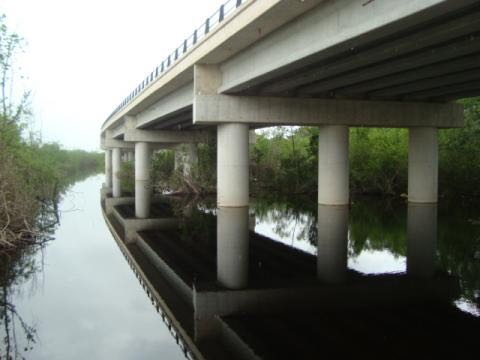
127 176
378 160
163 163
31 173
459 154
285 158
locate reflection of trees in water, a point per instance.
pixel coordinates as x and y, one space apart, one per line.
379 224
18 267
458 248
286 212
15 270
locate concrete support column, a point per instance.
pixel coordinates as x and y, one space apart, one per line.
422 165
108 168
232 247
333 167
421 239
191 159
232 165
178 161
332 243
116 166
143 187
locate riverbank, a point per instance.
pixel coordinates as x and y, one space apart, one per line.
33 174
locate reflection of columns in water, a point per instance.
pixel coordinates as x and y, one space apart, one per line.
232 247
252 222
421 239
116 164
108 168
332 245
142 180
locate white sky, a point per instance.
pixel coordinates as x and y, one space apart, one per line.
83 57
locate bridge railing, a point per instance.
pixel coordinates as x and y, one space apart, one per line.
225 10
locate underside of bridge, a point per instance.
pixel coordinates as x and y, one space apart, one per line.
428 55
334 64
329 63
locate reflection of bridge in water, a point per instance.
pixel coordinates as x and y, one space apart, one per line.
225 291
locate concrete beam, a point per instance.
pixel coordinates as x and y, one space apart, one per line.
117 131
179 100
425 38
414 75
113 144
427 84
217 109
449 51
165 136
342 24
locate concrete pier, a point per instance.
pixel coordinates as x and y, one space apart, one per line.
108 168
143 188
130 156
333 167
332 243
232 247
422 165
116 166
421 240
190 159
178 161
232 165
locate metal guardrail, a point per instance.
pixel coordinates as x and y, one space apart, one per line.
225 10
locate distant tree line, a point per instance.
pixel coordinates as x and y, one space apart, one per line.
32 174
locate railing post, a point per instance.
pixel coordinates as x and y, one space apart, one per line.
176 53
239 2
221 14
195 37
207 26
185 46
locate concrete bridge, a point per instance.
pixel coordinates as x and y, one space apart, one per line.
334 64
329 63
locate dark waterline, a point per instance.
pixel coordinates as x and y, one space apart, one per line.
85 302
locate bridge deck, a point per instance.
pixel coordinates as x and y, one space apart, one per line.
344 49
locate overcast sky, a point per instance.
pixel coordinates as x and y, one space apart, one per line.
83 57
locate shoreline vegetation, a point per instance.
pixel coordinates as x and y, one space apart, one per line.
284 159
33 174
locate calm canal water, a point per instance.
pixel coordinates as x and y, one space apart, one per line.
77 297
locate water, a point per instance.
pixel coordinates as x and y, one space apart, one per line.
84 302
78 297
